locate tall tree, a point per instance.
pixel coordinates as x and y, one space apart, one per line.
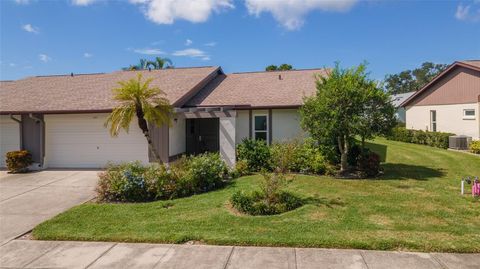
271 67
282 67
285 67
412 80
347 104
137 99
378 115
158 63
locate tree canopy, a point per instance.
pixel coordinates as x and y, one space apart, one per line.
282 67
157 63
347 104
412 80
137 99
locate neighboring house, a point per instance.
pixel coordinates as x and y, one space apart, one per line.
397 100
60 119
449 103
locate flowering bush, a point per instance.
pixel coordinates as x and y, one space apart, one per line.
134 182
18 161
475 147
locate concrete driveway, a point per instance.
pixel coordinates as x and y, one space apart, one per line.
29 199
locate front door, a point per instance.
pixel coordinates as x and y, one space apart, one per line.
202 135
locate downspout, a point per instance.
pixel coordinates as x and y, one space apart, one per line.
20 129
42 125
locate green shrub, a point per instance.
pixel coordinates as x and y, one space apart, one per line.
475 147
133 182
18 161
241 169
369 163
300 157
434 139
256 153
270 200
206 171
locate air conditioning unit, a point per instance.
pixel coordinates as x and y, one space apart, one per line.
460 142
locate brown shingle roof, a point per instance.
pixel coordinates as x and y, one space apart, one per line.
259 89
472 62
91 92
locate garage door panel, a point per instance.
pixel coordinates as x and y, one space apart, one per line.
9 137
83 141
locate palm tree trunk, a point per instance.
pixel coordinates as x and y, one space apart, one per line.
142 123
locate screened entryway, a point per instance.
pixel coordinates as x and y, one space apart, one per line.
202 135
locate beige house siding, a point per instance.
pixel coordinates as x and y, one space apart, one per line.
460 86
177 136
285 124
449 119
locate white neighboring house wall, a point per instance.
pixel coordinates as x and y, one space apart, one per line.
82 141
450 118
9 137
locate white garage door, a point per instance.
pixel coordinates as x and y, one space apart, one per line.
9 137
81 141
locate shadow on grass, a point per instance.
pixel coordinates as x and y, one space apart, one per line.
400 171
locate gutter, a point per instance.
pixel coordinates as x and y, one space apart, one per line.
20 127
42 122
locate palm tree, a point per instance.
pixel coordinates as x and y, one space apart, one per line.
148 104
161 62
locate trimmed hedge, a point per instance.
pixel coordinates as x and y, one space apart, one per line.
433 139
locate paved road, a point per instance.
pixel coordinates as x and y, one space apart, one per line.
57 254
29 199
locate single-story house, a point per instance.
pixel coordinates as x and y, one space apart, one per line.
449 103
60 119
397 100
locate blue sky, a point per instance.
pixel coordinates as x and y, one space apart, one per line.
85 36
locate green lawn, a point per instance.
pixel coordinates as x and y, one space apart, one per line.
416 205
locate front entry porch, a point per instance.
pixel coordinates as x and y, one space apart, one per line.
202 135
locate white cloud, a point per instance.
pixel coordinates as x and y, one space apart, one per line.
211 44
468 12
22 2
44 58
149 51
87 55
30 28
193 53
291 13
83 2
188 42
167 11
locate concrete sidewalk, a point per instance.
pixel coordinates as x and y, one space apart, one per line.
58 254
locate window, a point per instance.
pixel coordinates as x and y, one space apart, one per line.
260 127
469 114
433 120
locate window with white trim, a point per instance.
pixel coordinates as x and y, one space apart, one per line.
433 120
260 127
469 114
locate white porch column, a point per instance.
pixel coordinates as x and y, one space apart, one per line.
227 139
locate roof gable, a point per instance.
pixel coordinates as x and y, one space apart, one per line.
472 66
